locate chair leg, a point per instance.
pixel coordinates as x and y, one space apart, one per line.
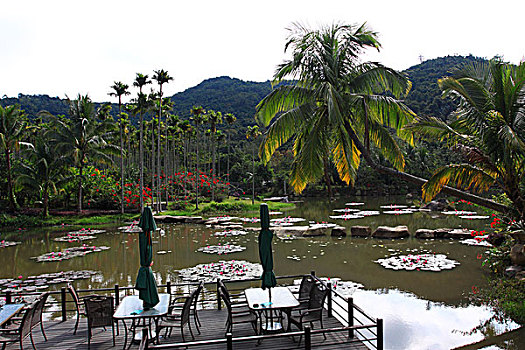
324 334
32 341
196 321
182 333
191 332
42 328
76 324
113 332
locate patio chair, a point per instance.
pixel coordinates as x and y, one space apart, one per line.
99 313
36 318
237 317
176 304
21 331
78 304
238 303
177 318
304 291
314 310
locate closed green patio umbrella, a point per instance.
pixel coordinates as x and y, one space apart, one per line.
265 250
146 284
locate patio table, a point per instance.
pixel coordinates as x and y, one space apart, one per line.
131 308
282 300
8 311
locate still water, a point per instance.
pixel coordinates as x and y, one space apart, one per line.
421 309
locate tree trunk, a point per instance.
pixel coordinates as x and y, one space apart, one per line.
253 174
10 187
152 163
197 170
141 157
81 168
419 181
45 212
327 179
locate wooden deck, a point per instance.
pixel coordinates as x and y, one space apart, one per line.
60 336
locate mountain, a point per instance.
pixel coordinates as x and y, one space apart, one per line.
231 95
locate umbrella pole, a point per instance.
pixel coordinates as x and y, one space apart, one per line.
270 305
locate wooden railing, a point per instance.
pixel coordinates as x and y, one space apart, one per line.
345 310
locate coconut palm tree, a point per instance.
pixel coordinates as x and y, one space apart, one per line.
12 129
252 134
336 107
162 77
120 89
83 137
488 128
140 81
334 95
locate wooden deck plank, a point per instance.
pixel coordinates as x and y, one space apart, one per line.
60 336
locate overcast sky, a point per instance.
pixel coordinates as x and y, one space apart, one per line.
71 47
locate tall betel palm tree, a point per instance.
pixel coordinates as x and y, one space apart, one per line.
230 119
334 95
199 117
83 137
488 129
162 77
120 89
12 128
140 81
252 134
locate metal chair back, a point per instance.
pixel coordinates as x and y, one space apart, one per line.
36 318
99 311
306 286
317 297
185 314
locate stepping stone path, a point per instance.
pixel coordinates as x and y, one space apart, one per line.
346 210
222 249
5 244
232 270
74 237
393 206
230 233
354 204
423 262
398 212
40 282
69 253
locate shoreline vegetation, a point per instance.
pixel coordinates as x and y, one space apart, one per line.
94 217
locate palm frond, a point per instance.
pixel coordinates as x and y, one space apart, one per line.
463 176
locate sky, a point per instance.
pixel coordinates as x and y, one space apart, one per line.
69 47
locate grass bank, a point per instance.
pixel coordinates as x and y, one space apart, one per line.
230 206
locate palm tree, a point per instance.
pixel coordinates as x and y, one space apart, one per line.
83 137
214 118
337 107
488 128
230 119
44 170
162 77
12 128
140 81
253 133
199 117
335 95
120 89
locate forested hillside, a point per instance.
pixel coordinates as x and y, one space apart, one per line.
231 95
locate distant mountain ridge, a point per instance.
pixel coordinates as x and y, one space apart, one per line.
232 95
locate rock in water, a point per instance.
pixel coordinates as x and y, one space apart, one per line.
360 231
391 232
517 254
338 231
425 233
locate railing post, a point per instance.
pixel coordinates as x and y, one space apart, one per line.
379 334
117 295
145 338
63 303
329 301
8 297
350 306
307 338
219 306
168 287
229 341
312 273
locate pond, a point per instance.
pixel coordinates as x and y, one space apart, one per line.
421 309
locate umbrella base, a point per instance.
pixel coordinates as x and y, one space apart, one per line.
272 327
